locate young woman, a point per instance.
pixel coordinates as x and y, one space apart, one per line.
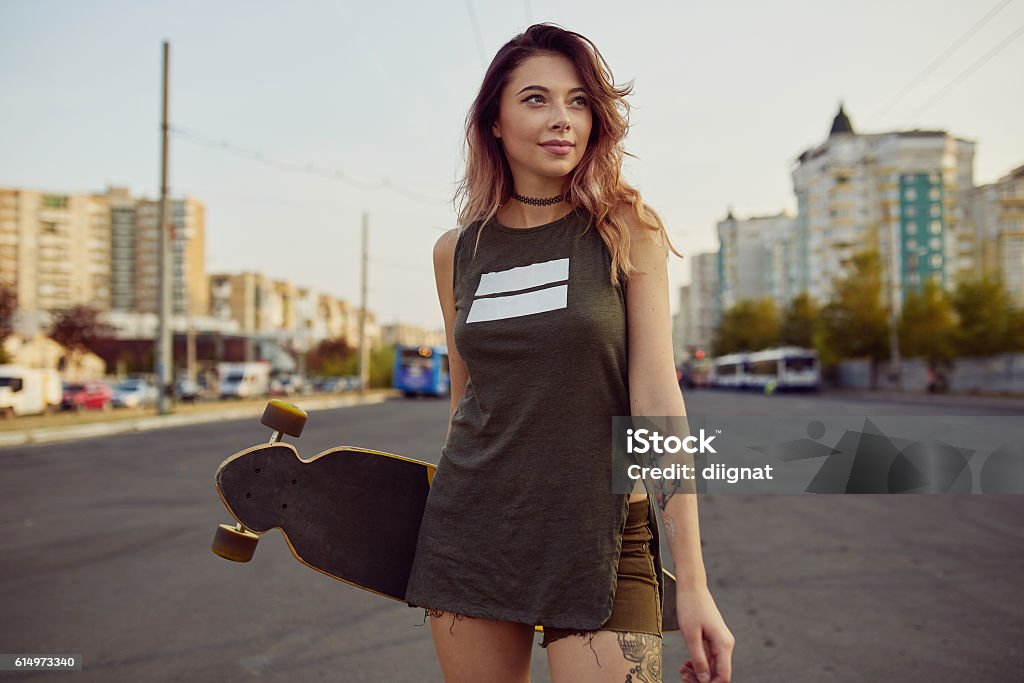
557 269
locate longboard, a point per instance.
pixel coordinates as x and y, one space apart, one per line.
351 513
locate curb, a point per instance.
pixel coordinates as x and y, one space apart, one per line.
41 435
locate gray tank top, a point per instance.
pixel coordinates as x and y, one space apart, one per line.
521 523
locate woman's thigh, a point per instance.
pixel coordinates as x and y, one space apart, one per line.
472 649
606 656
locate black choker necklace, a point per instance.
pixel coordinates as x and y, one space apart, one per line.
538 202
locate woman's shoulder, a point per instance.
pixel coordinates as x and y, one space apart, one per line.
629 216
444 248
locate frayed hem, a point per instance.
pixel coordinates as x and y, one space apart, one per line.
590 640
438 613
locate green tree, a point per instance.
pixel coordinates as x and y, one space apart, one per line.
329 357
382 365
1016 331
750 325
928 325
854 323
987 319
799 321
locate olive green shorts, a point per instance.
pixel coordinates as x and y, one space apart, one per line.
637 605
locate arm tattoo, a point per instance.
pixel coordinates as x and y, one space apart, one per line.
643 650
670 527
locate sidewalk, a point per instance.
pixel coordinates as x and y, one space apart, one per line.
994 400
104 423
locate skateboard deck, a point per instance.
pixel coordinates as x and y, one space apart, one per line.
351 513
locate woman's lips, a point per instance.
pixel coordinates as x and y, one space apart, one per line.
558 150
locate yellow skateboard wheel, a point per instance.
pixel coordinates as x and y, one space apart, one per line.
284 417
234 544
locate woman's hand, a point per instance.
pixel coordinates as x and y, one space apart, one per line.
708 638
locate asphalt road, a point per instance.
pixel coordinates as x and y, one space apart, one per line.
104 552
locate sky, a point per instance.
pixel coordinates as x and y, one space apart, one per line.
293 119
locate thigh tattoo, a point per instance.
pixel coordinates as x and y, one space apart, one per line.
643 650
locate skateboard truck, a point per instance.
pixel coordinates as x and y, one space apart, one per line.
236 543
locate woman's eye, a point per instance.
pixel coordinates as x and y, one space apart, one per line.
582 100
531 97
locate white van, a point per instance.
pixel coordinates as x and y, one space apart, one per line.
244 380
53 389
22 391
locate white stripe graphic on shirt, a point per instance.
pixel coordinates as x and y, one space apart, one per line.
501 307
523 277
518 279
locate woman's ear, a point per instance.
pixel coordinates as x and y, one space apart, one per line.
496 130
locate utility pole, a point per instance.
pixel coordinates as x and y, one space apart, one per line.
894 305
364 352
163 341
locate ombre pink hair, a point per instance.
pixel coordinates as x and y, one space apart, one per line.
596 184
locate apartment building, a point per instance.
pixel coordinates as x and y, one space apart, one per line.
902 193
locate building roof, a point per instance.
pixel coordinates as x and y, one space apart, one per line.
1014 174
841 123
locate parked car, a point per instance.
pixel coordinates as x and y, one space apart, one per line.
87 396
332 385
186 391
133 393
289 386
244 380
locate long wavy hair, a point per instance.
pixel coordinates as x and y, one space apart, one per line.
596 184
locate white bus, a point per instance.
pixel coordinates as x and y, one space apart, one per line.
787 368
730 371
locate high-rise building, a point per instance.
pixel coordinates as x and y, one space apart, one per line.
55 249
758 258
188 248
996 212
97 249
901 193
705 309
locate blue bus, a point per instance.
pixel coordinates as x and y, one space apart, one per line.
421 370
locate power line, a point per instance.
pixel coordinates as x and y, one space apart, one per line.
307 168
956 44
476 32
969 70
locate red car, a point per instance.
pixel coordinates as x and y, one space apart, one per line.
90 395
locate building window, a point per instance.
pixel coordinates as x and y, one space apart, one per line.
933 178
936 210
935 243
911 211
935 194
910 194
936 260
936 227
911 244
911 228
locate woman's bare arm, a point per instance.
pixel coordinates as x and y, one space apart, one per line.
653 390
444 258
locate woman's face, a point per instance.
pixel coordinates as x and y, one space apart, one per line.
542 105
